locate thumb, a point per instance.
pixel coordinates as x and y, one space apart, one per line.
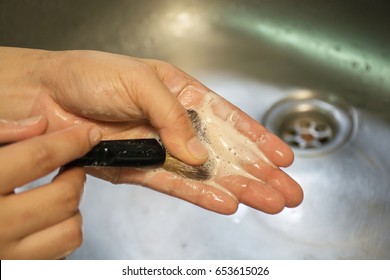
171 120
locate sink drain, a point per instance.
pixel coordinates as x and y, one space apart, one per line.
311 123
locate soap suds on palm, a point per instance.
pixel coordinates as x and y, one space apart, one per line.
228 148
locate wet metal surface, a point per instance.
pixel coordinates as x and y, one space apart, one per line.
254 53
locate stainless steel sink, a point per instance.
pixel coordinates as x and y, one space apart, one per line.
258 55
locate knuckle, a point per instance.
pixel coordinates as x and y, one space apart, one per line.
44 158
71 196
169 69
142 69
178 118
74 234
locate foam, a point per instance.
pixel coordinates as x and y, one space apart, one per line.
228 148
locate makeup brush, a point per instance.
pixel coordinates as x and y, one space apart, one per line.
139 153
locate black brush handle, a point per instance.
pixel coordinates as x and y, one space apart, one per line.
123 153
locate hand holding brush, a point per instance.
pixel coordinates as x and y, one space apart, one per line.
132 98
78 98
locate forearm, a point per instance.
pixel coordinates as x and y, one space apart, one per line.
19 81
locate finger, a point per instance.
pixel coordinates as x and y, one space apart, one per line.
273 147
171 120
11 131
28 160
198 193
54 242
44 206
195 192
279 180
256 194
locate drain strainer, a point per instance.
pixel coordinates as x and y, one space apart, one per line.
312 123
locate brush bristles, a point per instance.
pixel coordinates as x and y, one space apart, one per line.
200 172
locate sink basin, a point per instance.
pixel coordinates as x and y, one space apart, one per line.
256 54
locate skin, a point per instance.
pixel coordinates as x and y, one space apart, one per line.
57 105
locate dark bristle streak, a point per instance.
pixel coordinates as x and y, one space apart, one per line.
197 124
194 117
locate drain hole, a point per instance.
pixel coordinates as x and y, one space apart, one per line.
307 131
310 123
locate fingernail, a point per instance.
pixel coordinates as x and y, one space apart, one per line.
197 149
30 121
95 135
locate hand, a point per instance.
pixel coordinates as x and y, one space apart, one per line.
244 155
133 98
42 223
